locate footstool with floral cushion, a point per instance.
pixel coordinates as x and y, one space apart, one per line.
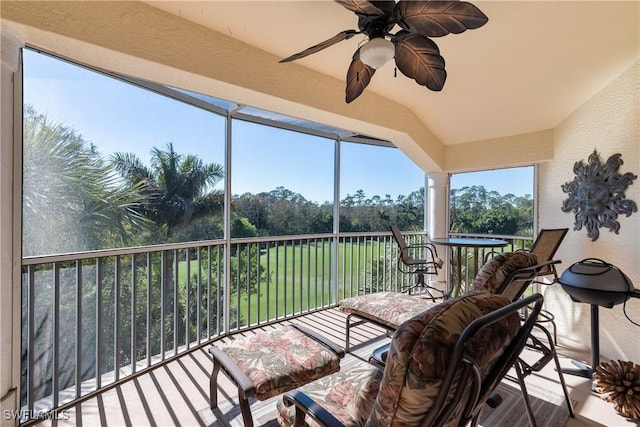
272 362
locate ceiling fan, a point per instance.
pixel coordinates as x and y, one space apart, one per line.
416 55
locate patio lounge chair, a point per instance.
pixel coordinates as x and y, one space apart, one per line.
444 364
545 247
508 273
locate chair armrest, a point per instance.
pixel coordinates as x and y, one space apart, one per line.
536 269
232 371
430 246
539 266
550 262
306 406
339 351
550 267
432 257
517 281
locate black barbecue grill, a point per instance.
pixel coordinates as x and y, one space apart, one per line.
598 283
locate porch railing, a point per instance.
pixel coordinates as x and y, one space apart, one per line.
94 319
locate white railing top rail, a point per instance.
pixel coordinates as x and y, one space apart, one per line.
77 256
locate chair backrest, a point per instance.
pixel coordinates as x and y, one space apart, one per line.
506 273
546 245
402 244
444 363
548 242
425 262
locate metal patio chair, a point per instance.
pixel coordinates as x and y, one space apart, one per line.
427 262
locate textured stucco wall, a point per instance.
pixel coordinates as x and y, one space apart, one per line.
521 150
609 123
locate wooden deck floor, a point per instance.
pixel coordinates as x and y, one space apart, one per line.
177 394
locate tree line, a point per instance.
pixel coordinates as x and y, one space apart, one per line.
71 190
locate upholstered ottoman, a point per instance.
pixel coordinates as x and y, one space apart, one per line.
386 309
269 363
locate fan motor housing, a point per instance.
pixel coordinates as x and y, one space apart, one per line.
376 26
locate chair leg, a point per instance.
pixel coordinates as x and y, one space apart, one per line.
221 361
348 326
428 288
552 349
213 396
347 334
245 409
547 317
525 394
548 353
213 385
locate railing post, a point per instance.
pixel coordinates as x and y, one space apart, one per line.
79 311
99 346
116 318
133 310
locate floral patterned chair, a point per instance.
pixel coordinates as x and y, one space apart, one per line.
507 273
268 363
442 366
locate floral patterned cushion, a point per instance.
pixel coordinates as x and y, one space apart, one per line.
348 395
494 272
389 308
418 359
421 352
280 360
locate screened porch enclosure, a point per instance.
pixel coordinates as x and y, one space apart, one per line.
177 228
95 319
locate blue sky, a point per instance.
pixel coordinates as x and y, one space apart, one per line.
119 117
517 181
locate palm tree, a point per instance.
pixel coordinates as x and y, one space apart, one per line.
72 201
69 191
179 188
180 196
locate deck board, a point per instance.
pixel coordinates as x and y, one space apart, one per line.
177 393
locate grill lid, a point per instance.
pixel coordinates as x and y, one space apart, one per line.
595 281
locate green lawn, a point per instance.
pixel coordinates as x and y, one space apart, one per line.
300 277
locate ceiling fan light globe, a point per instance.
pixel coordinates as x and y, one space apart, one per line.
377 52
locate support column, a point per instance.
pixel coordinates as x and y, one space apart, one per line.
10 307
438 220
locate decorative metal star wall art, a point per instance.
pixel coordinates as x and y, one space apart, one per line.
596 194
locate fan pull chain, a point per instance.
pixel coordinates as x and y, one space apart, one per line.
395 72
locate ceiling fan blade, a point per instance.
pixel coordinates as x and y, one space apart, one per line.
358 77
418 57
438 18
362 7
343 35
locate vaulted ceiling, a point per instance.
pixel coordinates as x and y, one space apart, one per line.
526 70
509 84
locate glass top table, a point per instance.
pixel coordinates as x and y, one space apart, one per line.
456 244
